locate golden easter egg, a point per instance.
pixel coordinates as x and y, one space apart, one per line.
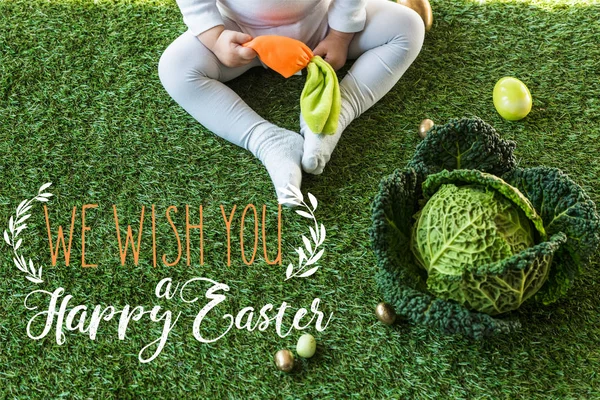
385 313
424 127
284 360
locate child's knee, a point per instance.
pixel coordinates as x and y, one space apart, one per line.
389 23
166 68
184 61
409 30
416 27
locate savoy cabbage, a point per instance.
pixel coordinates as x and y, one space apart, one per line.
462 234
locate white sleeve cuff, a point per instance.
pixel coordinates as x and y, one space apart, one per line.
347 15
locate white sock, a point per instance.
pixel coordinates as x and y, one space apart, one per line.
280 150
318 147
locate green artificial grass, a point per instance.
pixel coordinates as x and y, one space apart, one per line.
81 106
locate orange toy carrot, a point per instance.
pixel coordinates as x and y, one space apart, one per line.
320 101
282 54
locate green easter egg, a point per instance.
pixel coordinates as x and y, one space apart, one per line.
307 345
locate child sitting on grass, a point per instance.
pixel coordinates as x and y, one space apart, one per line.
382 36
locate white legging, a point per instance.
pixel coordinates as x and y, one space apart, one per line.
383 50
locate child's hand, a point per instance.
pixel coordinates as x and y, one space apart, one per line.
227 46
229 50
334 48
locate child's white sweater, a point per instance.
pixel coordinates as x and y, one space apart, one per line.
342 15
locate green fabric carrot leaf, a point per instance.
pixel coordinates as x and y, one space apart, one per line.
320 101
